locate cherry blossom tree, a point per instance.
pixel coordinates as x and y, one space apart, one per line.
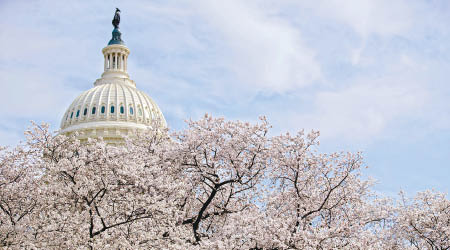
18 196
224 163
215 185
89 194
319 201
424 221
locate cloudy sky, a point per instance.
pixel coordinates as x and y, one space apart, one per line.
371 75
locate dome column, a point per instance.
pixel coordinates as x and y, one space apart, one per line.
116 61
104 64
125 63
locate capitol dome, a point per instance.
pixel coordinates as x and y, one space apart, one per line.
114 107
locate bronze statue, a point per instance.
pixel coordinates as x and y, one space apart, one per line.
116 19
116 34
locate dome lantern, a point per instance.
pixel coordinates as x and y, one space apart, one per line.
116 53
115 65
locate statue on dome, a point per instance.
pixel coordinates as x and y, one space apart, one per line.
116 19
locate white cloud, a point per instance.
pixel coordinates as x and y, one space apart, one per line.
32 94
263 51
364 110
366 17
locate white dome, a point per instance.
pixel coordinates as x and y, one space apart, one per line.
113 108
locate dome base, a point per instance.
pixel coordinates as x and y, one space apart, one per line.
111 132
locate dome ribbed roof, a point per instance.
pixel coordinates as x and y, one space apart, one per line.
111 100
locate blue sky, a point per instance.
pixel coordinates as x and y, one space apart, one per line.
371 75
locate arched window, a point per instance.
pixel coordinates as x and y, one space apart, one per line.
85 111
71 115
122 110
93 110
112 109
131 111
78 113
103 109
140 111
